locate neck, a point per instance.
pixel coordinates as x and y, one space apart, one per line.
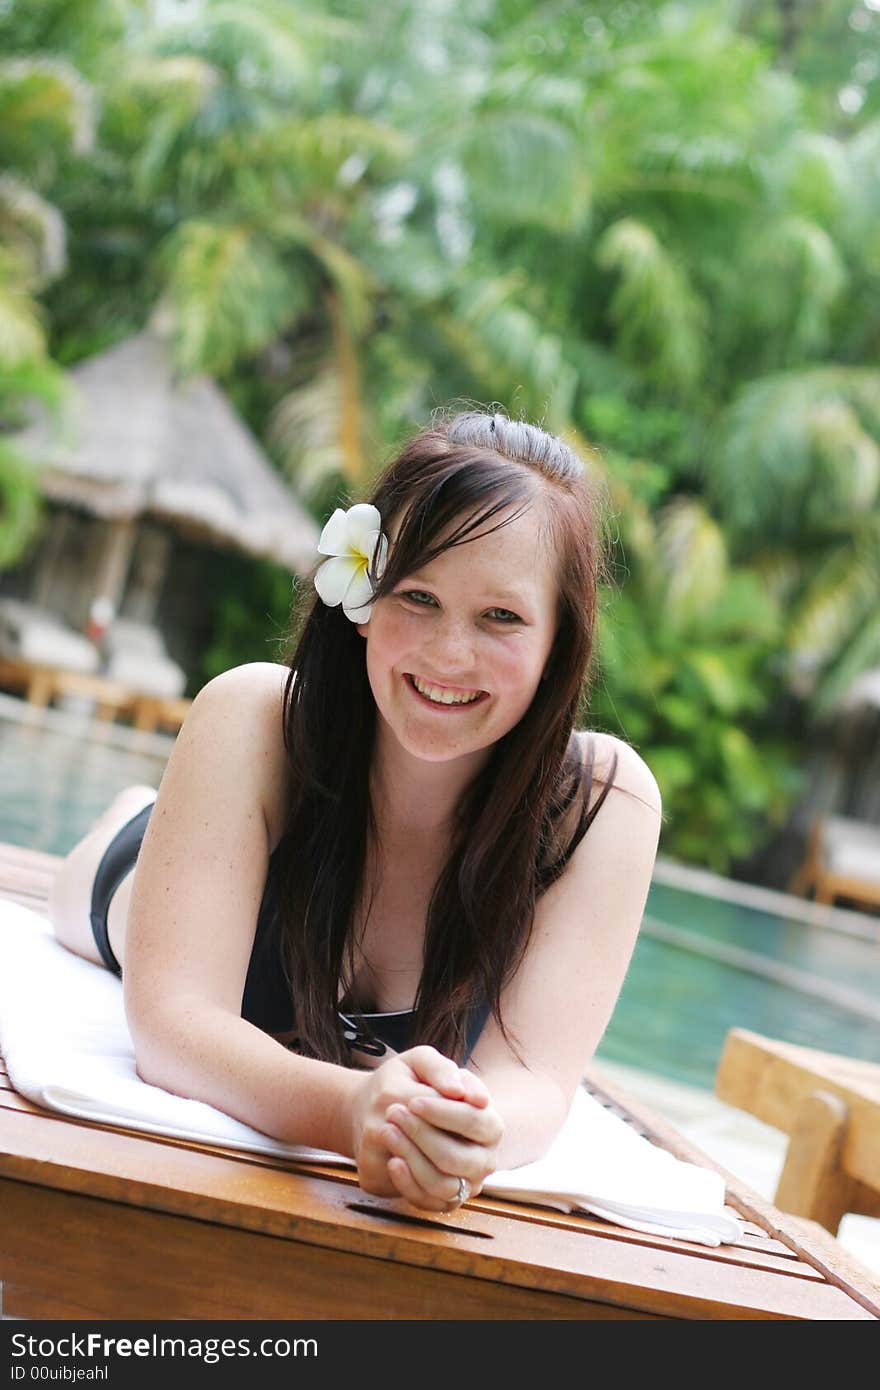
413 798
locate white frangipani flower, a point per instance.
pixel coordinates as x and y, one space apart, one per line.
353 539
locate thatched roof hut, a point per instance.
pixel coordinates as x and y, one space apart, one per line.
139 443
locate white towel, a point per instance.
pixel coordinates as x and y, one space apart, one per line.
67 1047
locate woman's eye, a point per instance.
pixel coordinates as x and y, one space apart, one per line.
414 596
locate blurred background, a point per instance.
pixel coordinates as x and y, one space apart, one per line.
246 248
653 227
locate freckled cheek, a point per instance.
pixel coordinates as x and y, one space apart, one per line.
388 643
506 665
394 638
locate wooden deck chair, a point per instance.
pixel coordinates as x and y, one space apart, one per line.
842 860
828 1104
101 1221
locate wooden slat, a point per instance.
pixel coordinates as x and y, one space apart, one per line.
324 1212
754 1238
119 1261
759 1253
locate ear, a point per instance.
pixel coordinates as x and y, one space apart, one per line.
361 628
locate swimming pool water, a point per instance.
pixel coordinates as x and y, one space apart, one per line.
676 1007
59 773
680 995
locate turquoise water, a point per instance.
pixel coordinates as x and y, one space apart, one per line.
56 779
676 1005
680 996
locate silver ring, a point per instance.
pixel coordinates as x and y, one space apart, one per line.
464 1191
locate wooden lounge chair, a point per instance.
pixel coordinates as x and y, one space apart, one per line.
830 1105
842 860
112 699
32 634
99 1221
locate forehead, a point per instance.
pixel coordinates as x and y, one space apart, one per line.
516 555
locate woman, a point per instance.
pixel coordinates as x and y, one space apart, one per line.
377 854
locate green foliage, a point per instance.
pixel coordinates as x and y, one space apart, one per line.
685 694
252 614
21 507
651 226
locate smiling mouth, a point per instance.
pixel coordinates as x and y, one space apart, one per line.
441 704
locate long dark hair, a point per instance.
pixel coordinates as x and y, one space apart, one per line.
505 848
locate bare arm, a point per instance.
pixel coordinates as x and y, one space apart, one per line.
558 1005
562 997
192 918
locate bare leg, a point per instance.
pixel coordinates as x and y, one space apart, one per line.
70 896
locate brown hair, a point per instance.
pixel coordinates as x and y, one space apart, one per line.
504 851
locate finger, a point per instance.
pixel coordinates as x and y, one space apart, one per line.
444 1151
475 1090
433 1068
406 1185
480 1126
438 1183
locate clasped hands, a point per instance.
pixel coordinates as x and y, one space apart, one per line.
419 1124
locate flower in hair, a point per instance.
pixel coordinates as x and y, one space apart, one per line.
358 549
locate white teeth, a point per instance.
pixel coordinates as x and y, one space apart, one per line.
443 697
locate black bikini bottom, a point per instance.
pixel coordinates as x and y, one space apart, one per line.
118 858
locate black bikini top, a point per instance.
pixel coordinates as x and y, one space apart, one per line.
267 1001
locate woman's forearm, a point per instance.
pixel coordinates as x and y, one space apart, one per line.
533 1108
202 1052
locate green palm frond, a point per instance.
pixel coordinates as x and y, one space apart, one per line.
698 165
798 276
862 229
22 334
230 293
779 572
771 447
35 229
45 106
271 46
861 654
814 174
745 608
500 341
354 281
304 427
847 464
841 592
522 167
322 156
21 506
153 107
659 318
694 557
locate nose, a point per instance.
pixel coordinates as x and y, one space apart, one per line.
451 651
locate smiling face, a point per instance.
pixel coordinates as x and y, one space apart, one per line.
482 617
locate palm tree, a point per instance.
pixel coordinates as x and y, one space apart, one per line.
625 223
45 111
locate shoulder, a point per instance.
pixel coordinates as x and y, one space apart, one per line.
617 762
243 705
257 681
